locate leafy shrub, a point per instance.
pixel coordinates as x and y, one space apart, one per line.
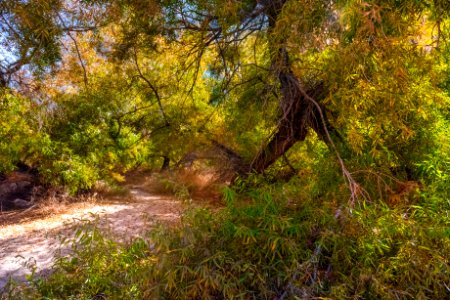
263 245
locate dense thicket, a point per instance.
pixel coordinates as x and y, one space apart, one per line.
332 117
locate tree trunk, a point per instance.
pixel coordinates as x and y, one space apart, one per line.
297 112
166 164
293 125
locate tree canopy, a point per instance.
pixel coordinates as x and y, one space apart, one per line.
146 80
330 119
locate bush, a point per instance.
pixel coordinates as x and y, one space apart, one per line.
264 246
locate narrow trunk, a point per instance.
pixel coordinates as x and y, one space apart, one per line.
166 164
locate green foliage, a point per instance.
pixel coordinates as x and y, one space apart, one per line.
95 263
169 78
72 145
262 245
13 130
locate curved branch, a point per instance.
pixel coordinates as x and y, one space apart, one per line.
77 49
152 87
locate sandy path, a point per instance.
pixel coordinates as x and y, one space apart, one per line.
37 241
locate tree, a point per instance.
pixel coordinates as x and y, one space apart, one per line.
32 35
355 74
316 57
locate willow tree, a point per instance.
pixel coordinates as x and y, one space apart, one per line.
357 72
33 32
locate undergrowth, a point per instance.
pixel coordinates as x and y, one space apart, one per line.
189 184
263 245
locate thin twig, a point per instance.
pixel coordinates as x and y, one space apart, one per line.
77 49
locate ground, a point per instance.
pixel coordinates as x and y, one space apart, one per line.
35 236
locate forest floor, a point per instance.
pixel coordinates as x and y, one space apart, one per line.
33 238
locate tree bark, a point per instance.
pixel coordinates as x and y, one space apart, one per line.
297 112
166 164
297 116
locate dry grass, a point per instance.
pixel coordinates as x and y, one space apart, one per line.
17 177
44 208
200 186
114 193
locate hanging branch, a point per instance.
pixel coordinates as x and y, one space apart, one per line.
355 189
152 87
77 49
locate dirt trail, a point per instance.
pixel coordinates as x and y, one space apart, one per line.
37 241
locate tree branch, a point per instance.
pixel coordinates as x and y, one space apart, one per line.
152 87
